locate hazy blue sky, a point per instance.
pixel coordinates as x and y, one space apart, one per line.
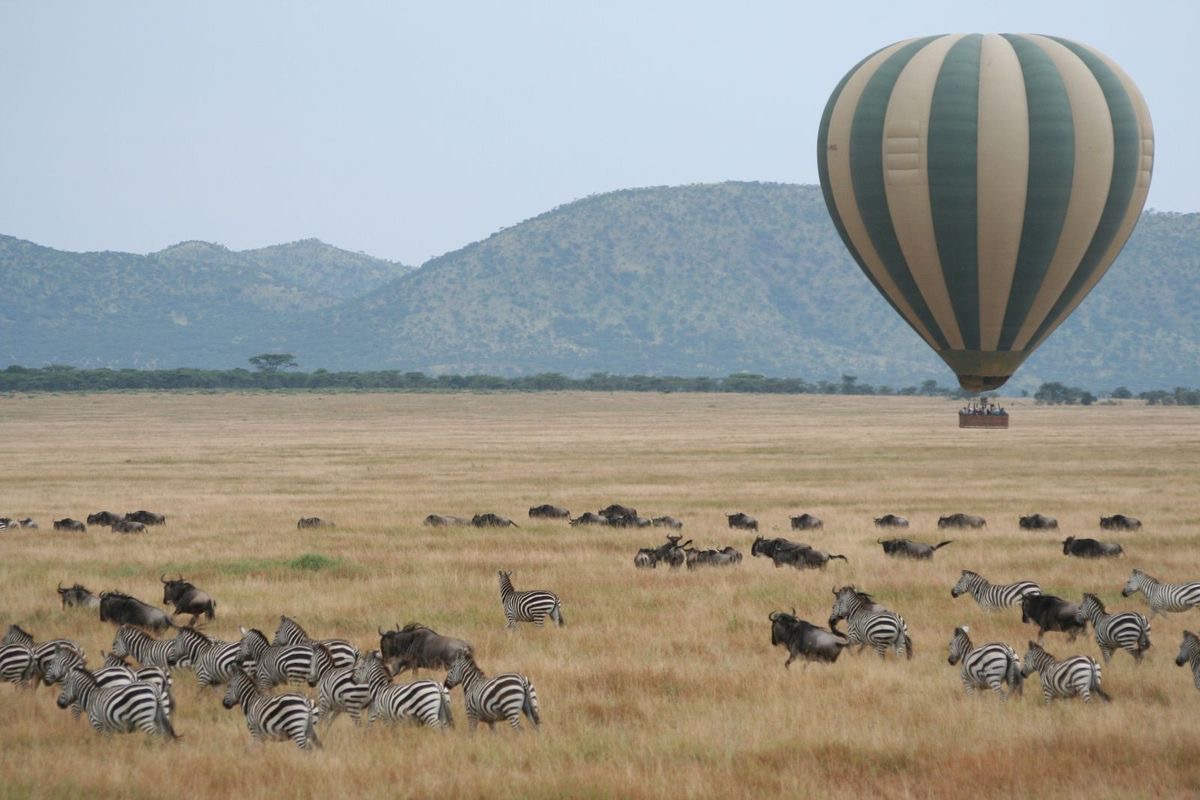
410 129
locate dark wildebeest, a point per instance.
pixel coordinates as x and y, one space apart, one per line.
445 521
743 521
672 551
1090 548
1120 522
1039 522
805 640
490 520
128 526
806 522
77 596
783 551
1051 613
27 523
187 599
907 548
961 520
146 517
313 522
891 521
666 522
590 518
103 518
726 556
629 522
618 510
548 511
68 524
416 646
121 609
646 558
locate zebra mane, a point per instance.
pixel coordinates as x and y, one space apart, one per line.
196 631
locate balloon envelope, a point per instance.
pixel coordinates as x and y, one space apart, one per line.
984 184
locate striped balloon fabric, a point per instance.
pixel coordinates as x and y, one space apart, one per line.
984 184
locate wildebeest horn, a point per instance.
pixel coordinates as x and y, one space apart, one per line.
793 611
773 616
380 630
163 578
60 588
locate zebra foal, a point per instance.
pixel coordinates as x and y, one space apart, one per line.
986 667
867 622
1129 630
992 596
533 605
1071 677
490 700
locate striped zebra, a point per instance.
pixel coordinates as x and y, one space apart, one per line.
42 653
491 700
158 676
1163 597
278 717
992 596
337 689
212 660
529 606
139 705
289 632
986 667
425 702
17 664
149 652
66 659
1078 675
1129 630
867 622
275 664
1189 650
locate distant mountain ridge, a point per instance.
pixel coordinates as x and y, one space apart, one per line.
688 280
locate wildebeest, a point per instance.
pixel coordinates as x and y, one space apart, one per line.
743 521
806 522
313 522
68 524
629 522
961 520
445 521
666 522
187 599
146 517
1038 522
121 609
1052 613
128 526
77 596
783 551
646 558
907 548
672 552
805 640
1120 522
548 511
726 556
617 510
590 518
1090 548
416 646
891 521
490 520
103 518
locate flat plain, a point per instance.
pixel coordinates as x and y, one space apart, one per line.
662 684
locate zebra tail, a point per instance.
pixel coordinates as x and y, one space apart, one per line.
162 716
311 729
1144 640
530 706
556 614
444 714
1096 684
1015 677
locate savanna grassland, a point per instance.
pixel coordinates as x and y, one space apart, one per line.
661 684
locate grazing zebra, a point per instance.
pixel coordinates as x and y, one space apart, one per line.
289 632
986 667
1189 650
148 651
1128 630
530 606
119 709
275 664
17 664
424 702
991 596
1078 675
283 716
493 699
867 622
1163 597
212 660
337 689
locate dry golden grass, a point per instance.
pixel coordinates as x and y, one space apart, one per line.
662 684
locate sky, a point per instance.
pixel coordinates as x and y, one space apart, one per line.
407 130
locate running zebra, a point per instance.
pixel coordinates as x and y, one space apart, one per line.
212 660
275 664
1163 597
1078 675
17 664
289 632
530 606
121 709
282 716
42 653
867 622
1128 630
490 700
158 676
66 659
986 667
337 689
148 651
991 596
425 702
1189 650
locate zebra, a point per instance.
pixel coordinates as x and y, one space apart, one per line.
1078 675
529 606
212 660
283 716
1128 630
426 702
986 667
275 664
867 622
17 664
158 676
991 596
66 659
123 708
149 652
1163 597
490 700
289 632
337 689
1189 650
42 653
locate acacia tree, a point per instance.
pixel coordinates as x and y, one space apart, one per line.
273 362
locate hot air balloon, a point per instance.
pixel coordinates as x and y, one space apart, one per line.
984 184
